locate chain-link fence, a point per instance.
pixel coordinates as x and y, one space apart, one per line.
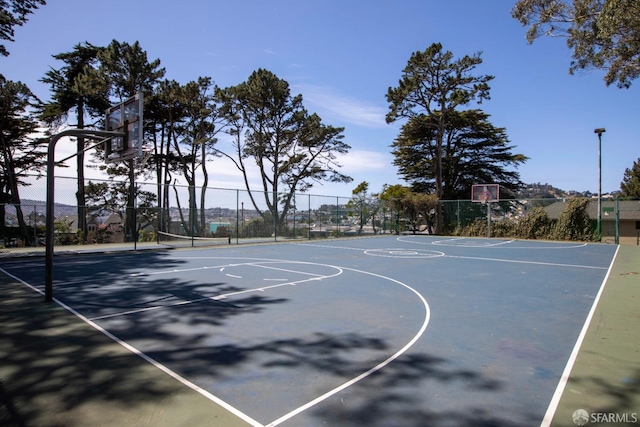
553 219
189 216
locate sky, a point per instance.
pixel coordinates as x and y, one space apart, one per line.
342 56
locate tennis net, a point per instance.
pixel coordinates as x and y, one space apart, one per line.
177 240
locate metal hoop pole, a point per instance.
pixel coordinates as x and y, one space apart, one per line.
488 203
50 220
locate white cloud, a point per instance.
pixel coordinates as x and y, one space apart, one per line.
359 161
331 106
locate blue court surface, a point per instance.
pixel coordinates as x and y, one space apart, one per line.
378 331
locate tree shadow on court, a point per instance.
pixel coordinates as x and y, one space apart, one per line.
389 397
51 364
399 398
394 395
607 393
57 370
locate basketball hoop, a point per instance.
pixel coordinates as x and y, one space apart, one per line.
147 152
484 197
125 117
485 193
121 155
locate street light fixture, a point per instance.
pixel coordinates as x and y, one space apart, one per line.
599 131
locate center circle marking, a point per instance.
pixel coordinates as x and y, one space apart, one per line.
404 253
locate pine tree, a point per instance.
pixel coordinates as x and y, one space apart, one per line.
68 95
630 185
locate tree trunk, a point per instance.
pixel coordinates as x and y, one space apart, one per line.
80 194
203 191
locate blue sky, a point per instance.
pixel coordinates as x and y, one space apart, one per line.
343 55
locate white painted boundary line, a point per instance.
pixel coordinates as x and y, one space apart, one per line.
453 242
376 368
147 358
360 377
316 277
551 264
564 378
463 242
232 409
317 245
33 288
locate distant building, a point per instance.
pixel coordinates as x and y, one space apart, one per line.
112 229
213 226
629 222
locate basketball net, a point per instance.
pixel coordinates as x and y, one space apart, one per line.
484 197
147 152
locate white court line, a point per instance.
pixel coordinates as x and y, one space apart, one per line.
564 378
330 246
259 265
139 274
537 245
315 277
234 410
450 242
148 358
33 288
155 307
551 264
376 368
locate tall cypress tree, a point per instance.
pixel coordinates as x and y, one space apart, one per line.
125 71
19 152
435 84
68 94
473 151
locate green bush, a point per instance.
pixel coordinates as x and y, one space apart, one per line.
535 225
477 228
574 223
504 228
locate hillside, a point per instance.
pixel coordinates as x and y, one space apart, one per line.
547 191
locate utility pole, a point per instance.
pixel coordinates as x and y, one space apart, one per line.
599 131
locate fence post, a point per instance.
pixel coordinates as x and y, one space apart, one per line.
35 226
337 216
617 221
489 219
309 219
134 230
237 216
275 216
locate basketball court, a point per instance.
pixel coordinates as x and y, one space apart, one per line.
383 331
389 330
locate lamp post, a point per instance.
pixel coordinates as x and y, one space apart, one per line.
599 131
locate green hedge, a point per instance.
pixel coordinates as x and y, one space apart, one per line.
573 224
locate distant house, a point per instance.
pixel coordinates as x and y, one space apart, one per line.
629 219
111 229
67 222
